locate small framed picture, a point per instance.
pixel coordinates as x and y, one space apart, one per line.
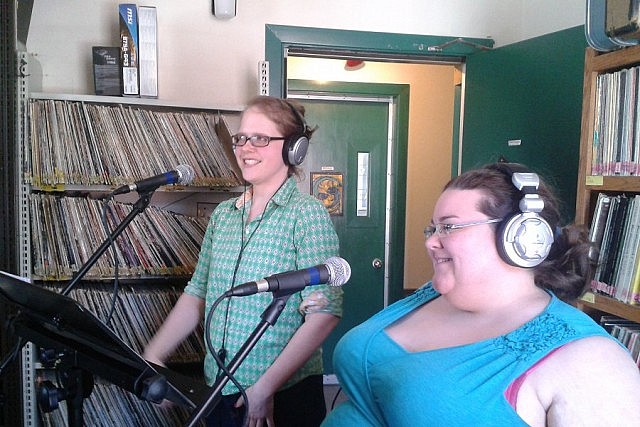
328 188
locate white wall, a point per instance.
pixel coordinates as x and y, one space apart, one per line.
207 61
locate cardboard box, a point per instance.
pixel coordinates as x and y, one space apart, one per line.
106 70
148 58
129 49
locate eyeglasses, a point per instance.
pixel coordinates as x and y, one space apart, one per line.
238 140
446 229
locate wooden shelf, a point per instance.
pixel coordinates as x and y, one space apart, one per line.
613 183
591 303
597 63
602 62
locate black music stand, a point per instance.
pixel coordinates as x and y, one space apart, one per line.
57 322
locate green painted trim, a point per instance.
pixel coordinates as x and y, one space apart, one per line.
279 37
455 143
400 93
347 88
274 55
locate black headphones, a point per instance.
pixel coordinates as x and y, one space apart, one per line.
295 146
524 239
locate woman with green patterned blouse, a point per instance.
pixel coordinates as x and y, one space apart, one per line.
272 227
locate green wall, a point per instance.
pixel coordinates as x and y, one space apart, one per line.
530 91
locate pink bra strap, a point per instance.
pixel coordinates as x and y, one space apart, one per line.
511 393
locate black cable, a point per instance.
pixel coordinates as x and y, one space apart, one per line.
13 354
221 366
223 352
335 398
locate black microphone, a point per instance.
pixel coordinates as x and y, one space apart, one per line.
334 272
182 175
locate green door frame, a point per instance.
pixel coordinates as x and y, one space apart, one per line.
396 229
280 38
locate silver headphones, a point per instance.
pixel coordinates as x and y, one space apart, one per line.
295 146
524 239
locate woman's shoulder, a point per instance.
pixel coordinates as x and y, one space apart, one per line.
593 352
574 381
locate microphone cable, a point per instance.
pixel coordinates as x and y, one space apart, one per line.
243 246
221 364
219 356
335 398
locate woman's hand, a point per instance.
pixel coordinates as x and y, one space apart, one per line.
260 407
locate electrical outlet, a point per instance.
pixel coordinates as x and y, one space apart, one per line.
263 77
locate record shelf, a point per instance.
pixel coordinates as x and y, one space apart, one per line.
75 149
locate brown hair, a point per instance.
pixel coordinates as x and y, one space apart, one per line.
280 112
568 269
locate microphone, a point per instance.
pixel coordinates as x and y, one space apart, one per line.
182 175
334 272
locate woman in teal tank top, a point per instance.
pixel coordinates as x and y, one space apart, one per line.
491 340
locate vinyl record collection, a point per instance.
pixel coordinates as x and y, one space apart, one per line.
138 313
67 230
616 136
74 142
78 151
615 230
110 406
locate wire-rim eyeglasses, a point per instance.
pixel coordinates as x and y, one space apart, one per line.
446 229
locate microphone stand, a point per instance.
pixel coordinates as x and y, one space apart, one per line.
268 318
139 206
75 407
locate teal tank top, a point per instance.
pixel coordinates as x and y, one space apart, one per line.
457 386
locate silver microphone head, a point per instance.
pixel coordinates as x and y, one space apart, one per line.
339 271
186 174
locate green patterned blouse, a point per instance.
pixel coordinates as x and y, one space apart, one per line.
294 232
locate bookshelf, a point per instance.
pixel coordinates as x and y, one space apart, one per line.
74 150
594 176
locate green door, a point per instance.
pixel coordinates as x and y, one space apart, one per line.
346 168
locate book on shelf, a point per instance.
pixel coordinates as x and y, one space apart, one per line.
634 297
625 331
608 321
617 235
129 45
599 221
627 258
148 58
106 70
615 231
607 249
